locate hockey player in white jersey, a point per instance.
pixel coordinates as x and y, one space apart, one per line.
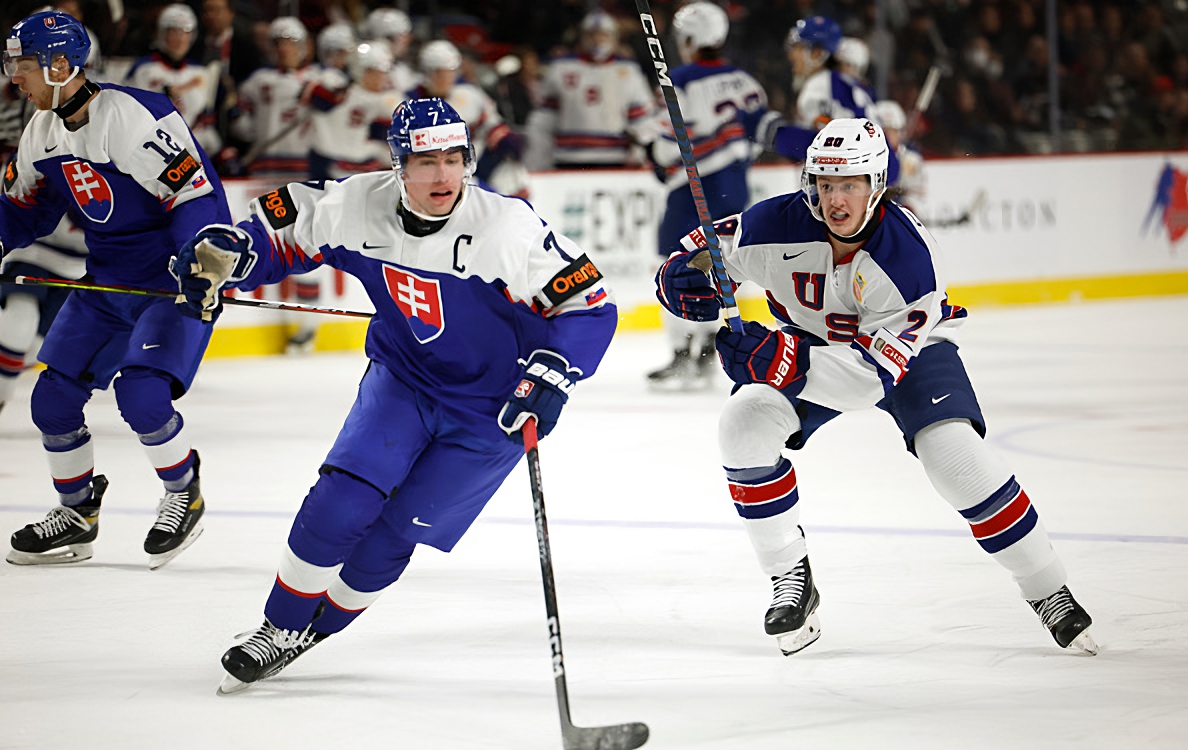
335 44
594 104
351 125
169 71
725 110
909 186
272 112
394 28
485 317
27 312
853 58
494 142
855 282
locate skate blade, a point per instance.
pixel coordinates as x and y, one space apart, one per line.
73 553
156 561
797 640
1085 643
231 685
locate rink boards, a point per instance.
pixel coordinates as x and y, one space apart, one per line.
1011 230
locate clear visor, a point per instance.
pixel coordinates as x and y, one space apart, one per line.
827 186
435 166
23 65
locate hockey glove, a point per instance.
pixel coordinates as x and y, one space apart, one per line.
218 255
761 355
548 380
685 291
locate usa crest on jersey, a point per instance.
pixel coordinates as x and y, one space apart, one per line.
91 192
419 300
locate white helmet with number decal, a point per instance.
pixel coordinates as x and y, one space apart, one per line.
846 148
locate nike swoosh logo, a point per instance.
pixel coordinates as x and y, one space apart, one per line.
790 257
149 346
942 398
51 148
418 523
372 247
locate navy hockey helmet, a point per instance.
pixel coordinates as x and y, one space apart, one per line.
48 35
817 31
420 125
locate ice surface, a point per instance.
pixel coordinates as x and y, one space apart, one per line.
925 643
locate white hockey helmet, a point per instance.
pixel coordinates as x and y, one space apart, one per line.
440 54
844 148
701 24
337 37
288 27
175 16
890 115
370 57
388 23
600 20
854 52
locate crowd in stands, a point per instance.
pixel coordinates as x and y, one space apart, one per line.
1123 66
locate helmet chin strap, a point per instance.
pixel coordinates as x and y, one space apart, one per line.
58 86
867 229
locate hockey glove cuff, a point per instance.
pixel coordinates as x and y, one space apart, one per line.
218 255
548 380
758 354
890 354
685 291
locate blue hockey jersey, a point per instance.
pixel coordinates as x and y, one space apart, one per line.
132 179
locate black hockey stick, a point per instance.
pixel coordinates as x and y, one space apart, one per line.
615 736
721 279
117 289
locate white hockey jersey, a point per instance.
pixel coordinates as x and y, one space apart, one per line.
349 137
590 112
722 107
456 310
63 252
893 282
270 102
189 86
830 95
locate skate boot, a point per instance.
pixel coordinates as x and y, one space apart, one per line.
64 536
269 650
1066 620
707 362
792 618
676 375
301 342
179 522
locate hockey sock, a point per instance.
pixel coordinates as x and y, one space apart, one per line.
11 364
978 485
170 452
375 563
767 500
299 588
18 328
345 604
72 465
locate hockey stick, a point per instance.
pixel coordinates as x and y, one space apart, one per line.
258 147
721 279
923 102
88 286
615 736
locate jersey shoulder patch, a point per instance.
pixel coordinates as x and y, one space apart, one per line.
10 174
572 280
179 171
279 208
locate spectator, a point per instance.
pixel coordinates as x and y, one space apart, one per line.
228 40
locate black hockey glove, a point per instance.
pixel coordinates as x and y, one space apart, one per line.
548 380
218 255
685 291
761 355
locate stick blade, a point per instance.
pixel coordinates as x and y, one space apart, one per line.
614 737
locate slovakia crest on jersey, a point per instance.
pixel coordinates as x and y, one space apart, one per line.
90 190
420 301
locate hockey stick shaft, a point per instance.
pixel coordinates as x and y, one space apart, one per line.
721 279
923 101
613 737
117 289
260 146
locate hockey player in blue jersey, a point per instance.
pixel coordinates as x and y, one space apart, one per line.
122 163
725 112
484 318
856 286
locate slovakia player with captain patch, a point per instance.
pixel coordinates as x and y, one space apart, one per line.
484 318
122 163
855 282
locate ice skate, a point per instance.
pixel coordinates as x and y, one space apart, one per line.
682 374
792 618
269 650
707 362
64 536
301 342
179 522
1066 620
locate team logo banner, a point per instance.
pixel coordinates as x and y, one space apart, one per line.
90 190
419 300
